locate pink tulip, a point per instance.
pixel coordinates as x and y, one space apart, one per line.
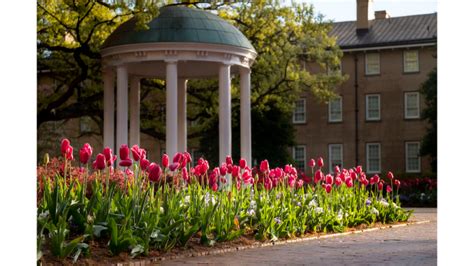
397 183
337 170
187 156
185 174
242 163
177 157
329 179
318 176
84 156
238 185
69 153
267 183
223 169
300 183
312 163
88 148
390 175
214 187
126 163
359 169
65 143
165 160
154 172
320 162
228 160
264 166
235 171
100 162
349 182
380 186
389 189
328 188
109 156
229 168
124 152
353 175
376 178
144 163
173 166
338 181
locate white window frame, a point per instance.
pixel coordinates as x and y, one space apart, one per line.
367 108
331 159
304 112
367 64
329 110
418 170
405 62
370 171
304 153
406 104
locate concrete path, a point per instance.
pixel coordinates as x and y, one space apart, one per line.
407 245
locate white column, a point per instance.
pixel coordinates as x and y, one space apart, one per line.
182 118
109 108
122 106
135 111
245 116
171 107
225 126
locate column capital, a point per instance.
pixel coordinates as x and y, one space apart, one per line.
224 64
245 70
171 61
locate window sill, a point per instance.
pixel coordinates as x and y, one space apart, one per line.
373 120
411 72
372 75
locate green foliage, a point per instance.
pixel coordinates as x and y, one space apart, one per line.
429 146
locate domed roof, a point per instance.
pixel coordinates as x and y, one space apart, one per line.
180 24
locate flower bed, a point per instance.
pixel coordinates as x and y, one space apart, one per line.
143 208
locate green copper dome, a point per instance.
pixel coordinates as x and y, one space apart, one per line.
180 24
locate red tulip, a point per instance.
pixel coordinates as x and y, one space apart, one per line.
69 153
320 162
353 175
318 176
88 148
109 157
100 162
124 152
84 156
390 175
337 170
214 187
235 171
397 183
144 163
267 183
328 188
389 189
300 183
138 153
185 174
223 169
173 166
242 163
187 156
126 163
349 182
312 163
229 168
165 160
329 179
359 169
364 181
154 172
338 181
380 186
264 166
376 178
177 157
228 160
65 143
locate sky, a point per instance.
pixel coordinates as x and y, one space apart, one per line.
344 10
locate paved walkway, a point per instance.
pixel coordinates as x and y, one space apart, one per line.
407 245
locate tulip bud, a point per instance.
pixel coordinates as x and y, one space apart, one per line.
144 163
65 143
359 169
328 188
100 162
390 175
228 160
338 181
124 152
242 163
318 176
397 183
329 179
264 166
312 163
320 162
154 172
46 158
380 186
223 169
389 189
165 160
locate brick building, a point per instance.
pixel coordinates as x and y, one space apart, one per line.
376 120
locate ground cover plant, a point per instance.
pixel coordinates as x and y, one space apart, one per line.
143 206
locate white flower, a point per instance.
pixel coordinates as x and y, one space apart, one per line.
278 196
319 210
339 215
43 215
187 199
313 204
253 204
384 203
374 211
251 212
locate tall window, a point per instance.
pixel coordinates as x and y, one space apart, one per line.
299 155
412 105
335 156
299 114
373 157
412 154
372 63
410 61
335 110
372 107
